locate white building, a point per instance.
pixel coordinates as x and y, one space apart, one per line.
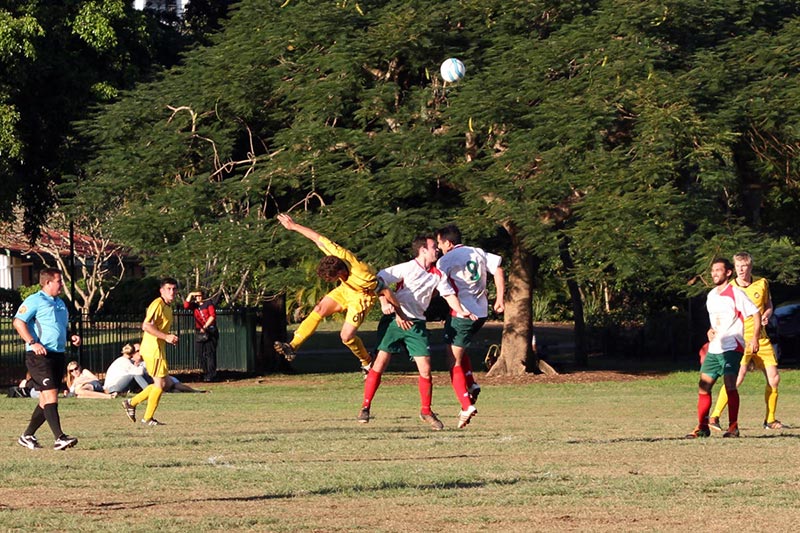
176 6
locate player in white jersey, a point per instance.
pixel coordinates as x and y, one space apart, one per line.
464 272
414 282
727 306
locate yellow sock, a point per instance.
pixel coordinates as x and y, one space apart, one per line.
306 328
142 396
152 401
722 401
771 399
359 350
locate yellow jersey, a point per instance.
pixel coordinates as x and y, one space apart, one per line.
160 314
362 277
758 293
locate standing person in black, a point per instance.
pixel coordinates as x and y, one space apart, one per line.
206 332
42 322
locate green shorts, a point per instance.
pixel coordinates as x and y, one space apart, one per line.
459 331
392 338
721 364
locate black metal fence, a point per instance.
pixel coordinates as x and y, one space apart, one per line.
238 349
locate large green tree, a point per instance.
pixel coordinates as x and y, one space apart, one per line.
615 145
57 59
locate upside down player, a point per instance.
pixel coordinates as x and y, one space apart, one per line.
758 291
354 295
727 308
415 282
464 271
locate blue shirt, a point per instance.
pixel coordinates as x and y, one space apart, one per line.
47 319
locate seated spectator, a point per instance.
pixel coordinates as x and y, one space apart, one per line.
173 384
83 383
124 370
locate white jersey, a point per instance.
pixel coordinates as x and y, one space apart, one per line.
119 369
727 311
464 270
415 286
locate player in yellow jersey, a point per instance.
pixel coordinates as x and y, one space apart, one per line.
758 291
156 326
354 295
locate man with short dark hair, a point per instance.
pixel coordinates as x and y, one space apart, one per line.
42 322
415 282
354 295
156 326
463 285
727 306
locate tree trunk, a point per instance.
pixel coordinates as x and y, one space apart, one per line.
517 324
581 357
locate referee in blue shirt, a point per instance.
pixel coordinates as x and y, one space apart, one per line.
42 322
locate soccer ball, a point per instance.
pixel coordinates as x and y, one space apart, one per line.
452 70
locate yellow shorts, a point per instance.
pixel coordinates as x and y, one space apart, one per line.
356 304
764 358
156 365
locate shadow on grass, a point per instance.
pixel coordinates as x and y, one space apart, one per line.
667 439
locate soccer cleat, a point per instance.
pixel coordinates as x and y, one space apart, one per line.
65 441
29 441
433 420
775 424
286 350
474 391
152 422
733 431
713 423
129 410
363 415
365 371
465 416
699 433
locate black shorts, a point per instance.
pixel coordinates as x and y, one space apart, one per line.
47 371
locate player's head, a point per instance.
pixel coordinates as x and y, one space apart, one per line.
50 280
448 237
424 247
331 268
721 270
128 350
167 288
743 265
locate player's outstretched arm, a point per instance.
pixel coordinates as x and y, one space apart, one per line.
289 223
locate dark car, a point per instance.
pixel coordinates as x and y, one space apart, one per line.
784 331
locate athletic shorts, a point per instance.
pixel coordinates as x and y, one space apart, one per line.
156 365
392 338
721 364
47 371
765 356
459 331
356 304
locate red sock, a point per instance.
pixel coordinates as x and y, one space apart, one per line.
371 385
703 407
425 394
733 406
460 387
466 364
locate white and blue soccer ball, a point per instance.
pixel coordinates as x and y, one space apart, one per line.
452 70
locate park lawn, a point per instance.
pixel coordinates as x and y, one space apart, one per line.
284 453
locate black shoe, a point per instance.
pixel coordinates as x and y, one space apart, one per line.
286 350
363 415
129 410
65 441
29 441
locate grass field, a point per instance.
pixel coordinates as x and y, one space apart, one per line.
286 454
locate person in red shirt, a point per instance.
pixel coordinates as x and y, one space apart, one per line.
206 332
